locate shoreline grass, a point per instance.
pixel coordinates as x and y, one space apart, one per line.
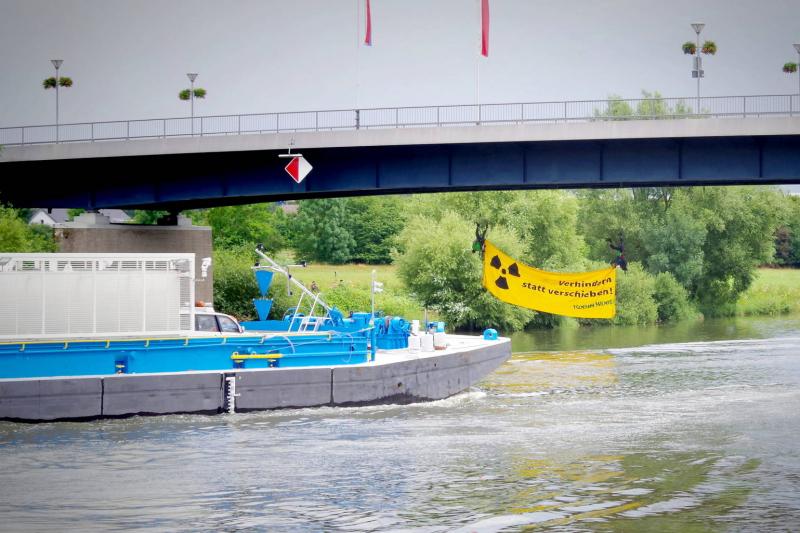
775 291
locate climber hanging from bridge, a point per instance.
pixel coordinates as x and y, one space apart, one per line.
479 244
619 247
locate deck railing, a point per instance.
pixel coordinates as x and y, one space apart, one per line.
406 117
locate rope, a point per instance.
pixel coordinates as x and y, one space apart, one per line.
331 335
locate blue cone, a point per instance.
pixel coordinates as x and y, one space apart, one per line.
264 279
262 308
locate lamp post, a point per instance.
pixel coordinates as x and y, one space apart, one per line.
697 72
797 47
57 64
192 76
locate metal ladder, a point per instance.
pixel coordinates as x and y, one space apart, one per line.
309 321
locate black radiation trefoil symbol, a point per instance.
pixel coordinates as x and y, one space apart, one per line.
513 270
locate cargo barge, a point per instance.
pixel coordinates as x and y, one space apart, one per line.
86 336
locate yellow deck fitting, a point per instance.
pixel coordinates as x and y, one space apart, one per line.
236 356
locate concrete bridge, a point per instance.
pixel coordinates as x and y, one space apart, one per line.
476 151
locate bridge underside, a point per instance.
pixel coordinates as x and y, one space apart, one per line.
183 181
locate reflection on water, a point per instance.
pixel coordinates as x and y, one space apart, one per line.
573 337
536 373
689 433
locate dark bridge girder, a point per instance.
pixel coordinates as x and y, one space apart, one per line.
186 181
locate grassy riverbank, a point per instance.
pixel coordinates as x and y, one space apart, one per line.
356 275
775 291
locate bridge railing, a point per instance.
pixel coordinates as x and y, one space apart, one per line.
406 117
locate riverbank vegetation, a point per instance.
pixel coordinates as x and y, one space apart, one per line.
692 252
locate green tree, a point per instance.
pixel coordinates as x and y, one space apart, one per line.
674 243
546 222
244 226
740 222
74 212
651 106
710 239
234 282
616 109
147 216
17 236
485 207
374 222
636 304
672 299
322 231
440 270
612 214
787 236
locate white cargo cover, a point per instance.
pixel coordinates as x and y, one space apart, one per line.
67 295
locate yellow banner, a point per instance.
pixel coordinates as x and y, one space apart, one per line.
579 294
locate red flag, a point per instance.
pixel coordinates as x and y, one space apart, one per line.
368 36
484 28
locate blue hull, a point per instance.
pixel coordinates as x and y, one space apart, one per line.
140 356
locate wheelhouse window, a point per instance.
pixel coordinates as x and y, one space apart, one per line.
205 323
227 325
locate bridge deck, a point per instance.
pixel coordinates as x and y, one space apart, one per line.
186 172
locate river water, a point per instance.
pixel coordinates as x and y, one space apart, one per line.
690 428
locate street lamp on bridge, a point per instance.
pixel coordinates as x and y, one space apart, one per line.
192 76
57 64
694 49
797 47
698 72
191 93
55 83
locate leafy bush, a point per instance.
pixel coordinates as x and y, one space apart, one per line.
147 216
235 286
49 83
439 269
40 239
282 300
64 81
353 299
672 299
185 94
635 302
200 93
348 298
17 236
234 283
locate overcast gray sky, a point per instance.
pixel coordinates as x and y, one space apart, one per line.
129 59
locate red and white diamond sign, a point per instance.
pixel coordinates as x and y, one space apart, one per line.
298 168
